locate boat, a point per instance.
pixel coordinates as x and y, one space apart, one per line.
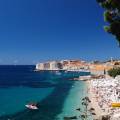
57 73
32 106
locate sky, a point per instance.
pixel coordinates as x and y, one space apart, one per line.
33 31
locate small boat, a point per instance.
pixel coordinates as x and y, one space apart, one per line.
32 106
58 73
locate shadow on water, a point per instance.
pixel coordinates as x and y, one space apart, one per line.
49 108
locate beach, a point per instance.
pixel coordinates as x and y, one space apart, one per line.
102 93
94 102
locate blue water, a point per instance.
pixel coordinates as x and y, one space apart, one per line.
54 93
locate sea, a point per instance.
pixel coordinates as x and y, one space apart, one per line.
56 93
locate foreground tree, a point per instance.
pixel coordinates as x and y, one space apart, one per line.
112 16
114 72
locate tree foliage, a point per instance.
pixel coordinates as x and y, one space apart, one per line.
114 72
112 16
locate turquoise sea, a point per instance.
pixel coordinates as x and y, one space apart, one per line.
57 96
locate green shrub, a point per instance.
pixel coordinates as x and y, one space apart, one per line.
114 72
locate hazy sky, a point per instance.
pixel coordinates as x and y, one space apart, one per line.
38 30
